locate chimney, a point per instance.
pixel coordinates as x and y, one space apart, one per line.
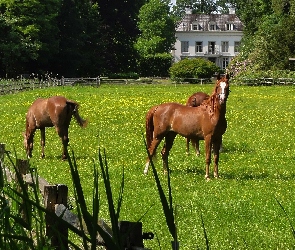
232 10
188 10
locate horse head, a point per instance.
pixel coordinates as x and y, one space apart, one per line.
222 88
28 143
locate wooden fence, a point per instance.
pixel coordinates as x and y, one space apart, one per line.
55 201
14 86
23 84
267 81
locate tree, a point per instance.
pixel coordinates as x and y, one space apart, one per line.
157 26
269 45
30 29
119 25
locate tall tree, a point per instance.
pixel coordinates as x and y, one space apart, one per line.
157 26
268 42
32 33
119 22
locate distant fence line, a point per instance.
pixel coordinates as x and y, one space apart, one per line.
266 81
23 84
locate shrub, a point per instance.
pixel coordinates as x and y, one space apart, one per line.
128 75
155 65
193 68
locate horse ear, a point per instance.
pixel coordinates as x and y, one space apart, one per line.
218 76
227 76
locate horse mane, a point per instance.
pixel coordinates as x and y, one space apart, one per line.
212 102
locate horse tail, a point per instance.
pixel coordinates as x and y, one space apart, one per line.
149 126
75 106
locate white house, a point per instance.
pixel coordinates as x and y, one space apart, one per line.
215 37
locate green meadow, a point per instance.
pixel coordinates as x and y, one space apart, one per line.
240 210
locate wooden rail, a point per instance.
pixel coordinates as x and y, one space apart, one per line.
15 86
266 81
55 201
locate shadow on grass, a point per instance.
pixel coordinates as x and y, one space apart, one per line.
244 176
188 170
233 147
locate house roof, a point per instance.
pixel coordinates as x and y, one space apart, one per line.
203 21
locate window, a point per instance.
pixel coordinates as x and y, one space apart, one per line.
199 47
212 26
229 26
237 47
196 26
211 47
225 62
184 46
224 46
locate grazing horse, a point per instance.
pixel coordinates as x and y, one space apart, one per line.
55 111
205 122
195 100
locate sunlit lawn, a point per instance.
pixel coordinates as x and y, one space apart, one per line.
240 210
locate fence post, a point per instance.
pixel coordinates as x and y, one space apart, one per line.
58 232
132 232
22 168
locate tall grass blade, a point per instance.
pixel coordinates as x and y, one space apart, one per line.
293 231
95 202
205 233
168 211
113 215
91 225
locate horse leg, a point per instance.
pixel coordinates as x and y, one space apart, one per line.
169 138
196 146
63 134
187 145
42 130
65 143
208 155
152 151
216 148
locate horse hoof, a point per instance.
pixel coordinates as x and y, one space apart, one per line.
207 178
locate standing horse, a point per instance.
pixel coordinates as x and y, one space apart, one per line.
195 100
55 111
205 122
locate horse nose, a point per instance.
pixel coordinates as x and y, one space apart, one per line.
221 97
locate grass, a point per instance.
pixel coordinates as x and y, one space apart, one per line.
239 211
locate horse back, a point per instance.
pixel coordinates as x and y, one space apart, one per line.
196 99
48 112
37 115
184 120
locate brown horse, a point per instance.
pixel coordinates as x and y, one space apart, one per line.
205 122
195 100
55 111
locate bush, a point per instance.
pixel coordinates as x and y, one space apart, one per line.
128 75
155 65
193 68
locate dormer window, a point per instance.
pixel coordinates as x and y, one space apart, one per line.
196 26
229 26
212 26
